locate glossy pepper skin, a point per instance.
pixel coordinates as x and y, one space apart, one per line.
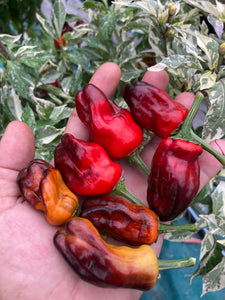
109 125
174 178
153 109
122 220
103 264
86 167
43 187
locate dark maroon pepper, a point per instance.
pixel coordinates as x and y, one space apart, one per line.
153 109
174 178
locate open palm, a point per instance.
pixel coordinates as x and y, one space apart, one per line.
31 267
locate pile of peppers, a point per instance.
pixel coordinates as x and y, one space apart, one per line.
90 170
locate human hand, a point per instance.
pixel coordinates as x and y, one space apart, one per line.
31 267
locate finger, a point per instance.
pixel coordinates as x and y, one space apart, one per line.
209 165
159 79
185 98
17 146
106 78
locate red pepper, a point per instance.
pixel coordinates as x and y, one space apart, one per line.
153 109
66 28
174 178
109 125
86 167
122 220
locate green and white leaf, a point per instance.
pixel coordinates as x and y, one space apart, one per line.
177 61
147 6
35 59
218 199
207 80
28 117
206 6
20 80
214 126
58 17
210 47
47 134
107 25
16 106
60 113
9 40
50 77
215 279
208 246
44 108
216 224
46 27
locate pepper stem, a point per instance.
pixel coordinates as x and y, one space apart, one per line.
163 228
187 124
176 263
136 159
120 189
187 133
220 157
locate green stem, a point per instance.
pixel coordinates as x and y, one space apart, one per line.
187 125
121 190
187 133
220 157
163 228
176 263
4 52
219 63
136 159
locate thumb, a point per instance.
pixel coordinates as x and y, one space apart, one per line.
17 146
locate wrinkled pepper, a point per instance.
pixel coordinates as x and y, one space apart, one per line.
103 264
174 178
66 28
122 220
85 166
153 109
43 187
109 125
127 222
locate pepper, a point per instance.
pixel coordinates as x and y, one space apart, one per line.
109 125
43 187
122 220
174 178
66 28
153 109
86 167
127 222
103 264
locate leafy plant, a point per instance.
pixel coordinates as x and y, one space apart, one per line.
39 81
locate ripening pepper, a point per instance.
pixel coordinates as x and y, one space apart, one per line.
174 178
153 109
43 187
103 264
66 28
86 167
109 125
122 220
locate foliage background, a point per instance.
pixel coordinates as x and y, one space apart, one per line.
136 35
